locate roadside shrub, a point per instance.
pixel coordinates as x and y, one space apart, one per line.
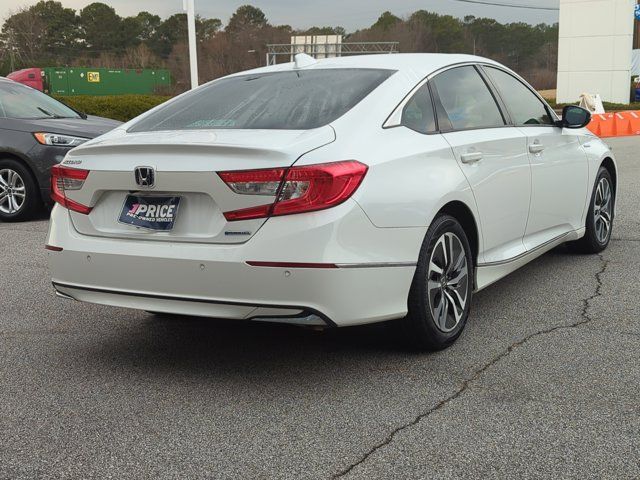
613 107
117 107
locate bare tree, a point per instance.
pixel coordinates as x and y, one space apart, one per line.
22 36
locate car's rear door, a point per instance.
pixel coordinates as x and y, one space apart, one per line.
492 155
559 166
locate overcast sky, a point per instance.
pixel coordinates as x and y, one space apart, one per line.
351 14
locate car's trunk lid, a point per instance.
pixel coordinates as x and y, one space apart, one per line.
185 165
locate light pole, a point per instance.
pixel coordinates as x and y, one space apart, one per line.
189 6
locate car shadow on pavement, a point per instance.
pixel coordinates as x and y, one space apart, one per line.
168 344
42 214
279 338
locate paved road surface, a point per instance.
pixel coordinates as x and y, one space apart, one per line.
545 381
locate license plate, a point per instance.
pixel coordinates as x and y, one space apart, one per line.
150 212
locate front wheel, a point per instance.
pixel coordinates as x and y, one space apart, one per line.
19 195
440 296
599 223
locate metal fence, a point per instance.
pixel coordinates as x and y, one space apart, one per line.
276 50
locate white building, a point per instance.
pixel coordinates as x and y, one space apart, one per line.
318 46
594 51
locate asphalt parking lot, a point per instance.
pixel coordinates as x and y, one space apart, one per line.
545 381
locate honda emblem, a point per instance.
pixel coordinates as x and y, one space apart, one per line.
145 177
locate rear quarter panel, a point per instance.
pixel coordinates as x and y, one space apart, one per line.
411 175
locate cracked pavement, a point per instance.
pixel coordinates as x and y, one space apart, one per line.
543 383
584 319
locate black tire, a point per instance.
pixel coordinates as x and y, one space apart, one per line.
591 242
32 201
420 326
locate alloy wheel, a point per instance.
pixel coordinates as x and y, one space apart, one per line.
12 191
603 211
448 282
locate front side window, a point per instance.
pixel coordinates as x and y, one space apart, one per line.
418 113
22 102
466 99
288 100
524 107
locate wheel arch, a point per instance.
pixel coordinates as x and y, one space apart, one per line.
610 165
11 155
461 212
26 163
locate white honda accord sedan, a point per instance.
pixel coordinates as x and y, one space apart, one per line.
334 192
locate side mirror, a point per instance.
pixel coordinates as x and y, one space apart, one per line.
574 117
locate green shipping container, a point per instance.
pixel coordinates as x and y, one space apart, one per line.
104 81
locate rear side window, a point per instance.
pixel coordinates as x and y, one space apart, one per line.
418 113
524 107
291 100
466 99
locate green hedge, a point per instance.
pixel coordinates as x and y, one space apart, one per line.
117 107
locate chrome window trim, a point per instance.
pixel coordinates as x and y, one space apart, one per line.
526 85
395 118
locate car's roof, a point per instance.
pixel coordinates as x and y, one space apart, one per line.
5 80
421 64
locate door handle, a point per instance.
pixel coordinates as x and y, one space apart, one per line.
471 157
536 147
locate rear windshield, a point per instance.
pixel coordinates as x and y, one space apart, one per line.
291 100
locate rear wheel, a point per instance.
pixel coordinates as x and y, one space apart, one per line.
599 223
19 195
440 296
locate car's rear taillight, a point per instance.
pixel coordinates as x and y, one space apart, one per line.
298 189
65 179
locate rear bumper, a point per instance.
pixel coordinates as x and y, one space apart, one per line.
193 306
216 281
